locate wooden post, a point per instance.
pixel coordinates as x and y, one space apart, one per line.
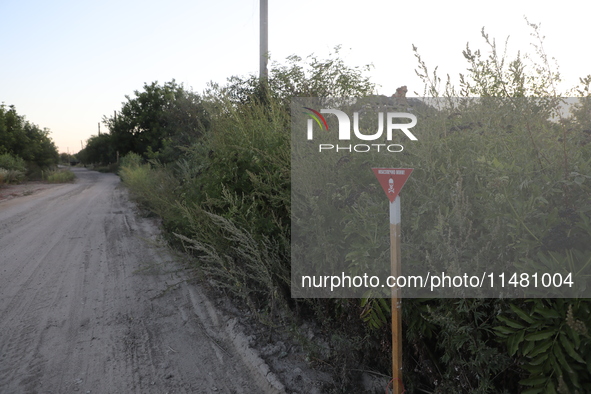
392 180
396 300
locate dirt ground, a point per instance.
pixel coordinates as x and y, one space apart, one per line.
8 192
91 302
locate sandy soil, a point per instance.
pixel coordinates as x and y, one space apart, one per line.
83 306
8 192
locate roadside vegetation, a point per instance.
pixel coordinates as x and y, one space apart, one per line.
216 169
61 175
27 152
25 149
12 169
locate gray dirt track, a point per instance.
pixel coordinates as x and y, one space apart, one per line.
82 307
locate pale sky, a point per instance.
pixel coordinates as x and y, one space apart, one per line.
64 64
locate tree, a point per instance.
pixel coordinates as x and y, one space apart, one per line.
309 77
157 121
99 149
26 140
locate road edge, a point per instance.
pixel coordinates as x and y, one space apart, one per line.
207 313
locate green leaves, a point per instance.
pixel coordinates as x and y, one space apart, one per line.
154 123
547 346
301 77
521 313
22 141
375 312
539 335
570 348
514 341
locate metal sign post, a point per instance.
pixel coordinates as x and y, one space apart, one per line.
392 180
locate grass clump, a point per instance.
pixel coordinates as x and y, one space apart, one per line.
59 176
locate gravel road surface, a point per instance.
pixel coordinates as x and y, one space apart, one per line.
83 306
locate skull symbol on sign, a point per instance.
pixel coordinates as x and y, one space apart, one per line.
391 186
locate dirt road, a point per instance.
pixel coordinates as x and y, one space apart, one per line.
81 304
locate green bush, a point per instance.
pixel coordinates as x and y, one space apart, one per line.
131 160
59 176
155 188
11 162
11 176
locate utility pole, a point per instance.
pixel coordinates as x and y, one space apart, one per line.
264 39
99 124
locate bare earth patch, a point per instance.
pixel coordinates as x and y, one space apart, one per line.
79 312
8 192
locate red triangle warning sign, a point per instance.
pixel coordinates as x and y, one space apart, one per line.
392 180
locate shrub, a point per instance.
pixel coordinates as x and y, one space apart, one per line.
11 162
155 188
131 160
11 176
59 176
